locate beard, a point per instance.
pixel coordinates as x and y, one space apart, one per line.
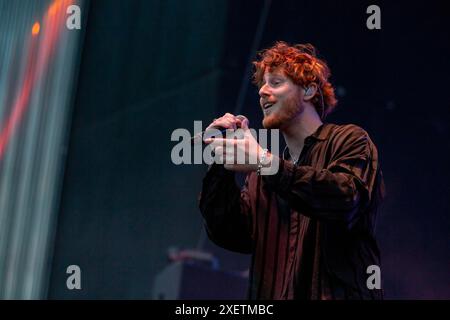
291 108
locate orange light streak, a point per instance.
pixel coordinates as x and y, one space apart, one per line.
41 50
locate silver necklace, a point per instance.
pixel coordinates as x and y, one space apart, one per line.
292 158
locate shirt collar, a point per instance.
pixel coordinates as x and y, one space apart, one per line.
323 132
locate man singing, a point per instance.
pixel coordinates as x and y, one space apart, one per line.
309 226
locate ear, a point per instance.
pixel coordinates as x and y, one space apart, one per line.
309 91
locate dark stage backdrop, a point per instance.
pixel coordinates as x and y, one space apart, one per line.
149 67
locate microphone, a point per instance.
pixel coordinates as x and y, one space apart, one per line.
201 136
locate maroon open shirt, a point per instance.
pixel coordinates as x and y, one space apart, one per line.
309 227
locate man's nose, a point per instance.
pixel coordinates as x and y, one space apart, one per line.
264 90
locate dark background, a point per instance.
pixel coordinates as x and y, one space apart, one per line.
149 67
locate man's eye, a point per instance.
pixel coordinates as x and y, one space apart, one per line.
276 82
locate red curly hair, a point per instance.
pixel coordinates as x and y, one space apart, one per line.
301 64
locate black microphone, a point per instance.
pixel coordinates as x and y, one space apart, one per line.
209 133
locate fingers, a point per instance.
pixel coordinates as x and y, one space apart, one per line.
244 124
219 141
224 155
227 121
224 151
230 151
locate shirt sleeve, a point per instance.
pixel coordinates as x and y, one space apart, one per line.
341 190
226 210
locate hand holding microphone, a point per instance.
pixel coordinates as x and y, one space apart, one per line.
243 153
227 121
